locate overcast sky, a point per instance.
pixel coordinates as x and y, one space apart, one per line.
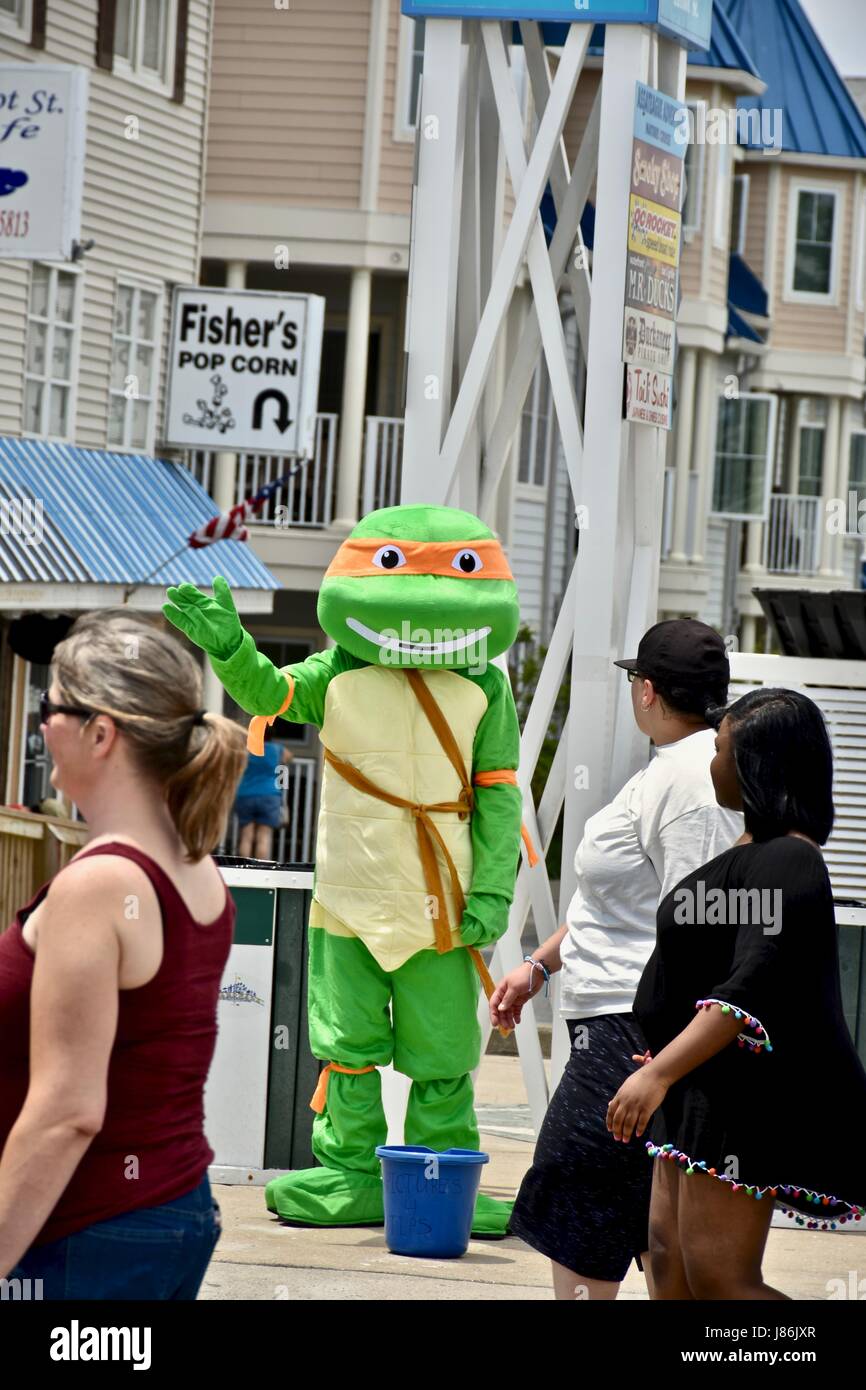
842 27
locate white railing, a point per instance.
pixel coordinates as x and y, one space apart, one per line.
792 537
308 496
383 448
293 843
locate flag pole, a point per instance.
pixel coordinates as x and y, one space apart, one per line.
131 588
259 497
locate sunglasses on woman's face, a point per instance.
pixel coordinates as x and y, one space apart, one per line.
47 708
634 676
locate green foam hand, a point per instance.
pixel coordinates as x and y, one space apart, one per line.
211 623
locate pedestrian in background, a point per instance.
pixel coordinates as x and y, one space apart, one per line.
756 1089
110 976
585 1201
259 804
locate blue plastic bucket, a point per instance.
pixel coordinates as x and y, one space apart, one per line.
429 1198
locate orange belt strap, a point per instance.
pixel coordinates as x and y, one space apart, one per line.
320 1094
428 833
259 722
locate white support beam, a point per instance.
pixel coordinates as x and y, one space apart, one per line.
599 574
541 276
577 269
525 360
508 268
434 254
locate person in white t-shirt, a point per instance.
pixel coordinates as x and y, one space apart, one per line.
585 1201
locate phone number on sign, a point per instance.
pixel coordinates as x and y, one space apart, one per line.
14 223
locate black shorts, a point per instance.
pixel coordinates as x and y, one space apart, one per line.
585 1201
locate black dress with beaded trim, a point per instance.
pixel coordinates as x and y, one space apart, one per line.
781 1112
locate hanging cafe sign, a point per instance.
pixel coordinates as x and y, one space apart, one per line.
652 269
687 21
42 134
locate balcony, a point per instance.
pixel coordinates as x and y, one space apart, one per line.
310 496
792 536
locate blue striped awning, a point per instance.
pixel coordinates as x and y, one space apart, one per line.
112 519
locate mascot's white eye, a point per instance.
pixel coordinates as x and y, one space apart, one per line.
467 562
389 557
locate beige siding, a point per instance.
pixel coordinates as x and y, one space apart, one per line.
397 156
287 102
141 206
811 326
580 109
756 215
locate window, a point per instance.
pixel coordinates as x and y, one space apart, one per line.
36 763
812 427
538 431
694 173
409 68
15 18
857 474
811 270
416 64
51 358
745 440
739 214
144 39
137 314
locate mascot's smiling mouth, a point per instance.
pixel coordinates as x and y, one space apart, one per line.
457 644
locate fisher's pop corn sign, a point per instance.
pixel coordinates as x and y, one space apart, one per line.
42 134
652 269
244 370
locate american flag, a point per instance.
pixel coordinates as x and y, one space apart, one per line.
230 525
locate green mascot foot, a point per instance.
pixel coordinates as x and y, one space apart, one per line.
491 1217
327 1197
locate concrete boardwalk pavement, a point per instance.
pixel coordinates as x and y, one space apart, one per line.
259 1258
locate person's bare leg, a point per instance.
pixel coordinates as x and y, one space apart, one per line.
245 841
722 1237
666 1272
264 842
571 1287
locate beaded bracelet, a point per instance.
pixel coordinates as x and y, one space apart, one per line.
544 970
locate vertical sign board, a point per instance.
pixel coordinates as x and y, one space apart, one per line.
237 1086
43 111
687 21
243 370
661 130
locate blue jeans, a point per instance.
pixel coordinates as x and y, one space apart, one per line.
154 1253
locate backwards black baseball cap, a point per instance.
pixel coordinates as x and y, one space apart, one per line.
681 651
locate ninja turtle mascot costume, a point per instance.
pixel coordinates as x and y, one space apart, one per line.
418 836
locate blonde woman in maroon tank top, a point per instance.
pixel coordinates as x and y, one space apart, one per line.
109 979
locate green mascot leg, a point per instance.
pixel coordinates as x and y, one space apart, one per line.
349 1024
436 1034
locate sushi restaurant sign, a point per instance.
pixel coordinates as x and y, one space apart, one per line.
42 135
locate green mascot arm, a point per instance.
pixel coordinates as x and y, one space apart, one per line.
497 817
250 677
260 687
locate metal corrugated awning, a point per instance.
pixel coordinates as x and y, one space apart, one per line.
108 519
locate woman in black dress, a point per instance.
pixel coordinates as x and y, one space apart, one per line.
758 1094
